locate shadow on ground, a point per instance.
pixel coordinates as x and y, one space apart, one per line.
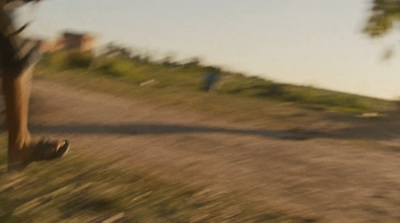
363 130
162 129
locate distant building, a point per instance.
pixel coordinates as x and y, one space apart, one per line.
83 42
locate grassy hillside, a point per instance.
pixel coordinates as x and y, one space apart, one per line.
167 76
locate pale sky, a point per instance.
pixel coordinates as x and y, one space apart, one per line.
313 42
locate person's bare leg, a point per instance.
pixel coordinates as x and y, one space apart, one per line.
17 87
17 59
22 149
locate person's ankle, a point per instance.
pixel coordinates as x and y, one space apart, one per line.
19 150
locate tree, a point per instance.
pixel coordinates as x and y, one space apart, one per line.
385 14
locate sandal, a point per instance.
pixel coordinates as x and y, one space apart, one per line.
45 149
48 149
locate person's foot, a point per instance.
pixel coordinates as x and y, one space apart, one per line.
44 149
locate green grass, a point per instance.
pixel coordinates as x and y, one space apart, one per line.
188 79
83 189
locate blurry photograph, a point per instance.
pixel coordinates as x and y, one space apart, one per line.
153 111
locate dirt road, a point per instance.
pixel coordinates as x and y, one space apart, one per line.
323 179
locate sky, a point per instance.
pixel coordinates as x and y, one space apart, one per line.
314 43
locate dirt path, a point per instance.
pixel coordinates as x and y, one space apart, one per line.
321 179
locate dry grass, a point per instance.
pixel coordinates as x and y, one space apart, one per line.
80 189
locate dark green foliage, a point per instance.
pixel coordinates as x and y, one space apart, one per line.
79 60
385 14
68 59
193 62
116 50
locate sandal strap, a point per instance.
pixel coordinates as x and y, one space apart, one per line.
47 149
